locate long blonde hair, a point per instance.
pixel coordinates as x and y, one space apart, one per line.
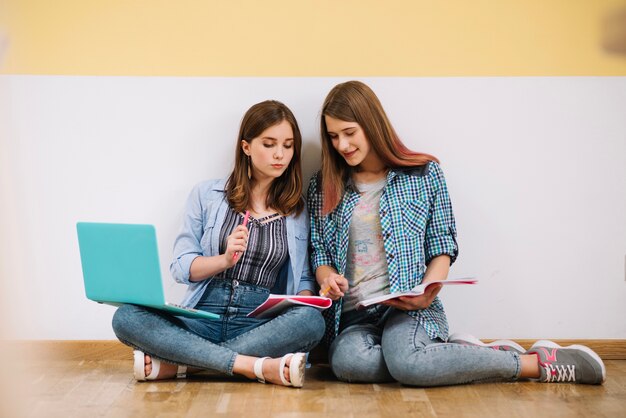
285 192
354 101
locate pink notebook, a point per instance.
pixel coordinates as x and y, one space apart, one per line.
275 304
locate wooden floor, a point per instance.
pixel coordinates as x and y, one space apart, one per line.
106 388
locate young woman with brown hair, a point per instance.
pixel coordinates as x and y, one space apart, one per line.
230 268
382 222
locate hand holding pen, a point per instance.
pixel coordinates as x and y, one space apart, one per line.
334 286
239 238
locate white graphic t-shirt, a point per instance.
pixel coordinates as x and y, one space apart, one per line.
366 269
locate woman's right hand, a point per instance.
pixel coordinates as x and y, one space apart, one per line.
236 243
333 286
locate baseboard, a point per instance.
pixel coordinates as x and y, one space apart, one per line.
607 349
114 350
71 349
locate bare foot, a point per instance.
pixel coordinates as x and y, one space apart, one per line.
293 371
166 371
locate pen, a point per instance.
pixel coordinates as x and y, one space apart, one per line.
245 223
325 291
323 294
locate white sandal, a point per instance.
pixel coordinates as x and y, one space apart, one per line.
139 368
258 369
296 369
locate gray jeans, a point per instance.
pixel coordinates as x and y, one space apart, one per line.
387 345
214 344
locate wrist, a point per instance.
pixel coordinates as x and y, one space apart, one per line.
323 273
224 262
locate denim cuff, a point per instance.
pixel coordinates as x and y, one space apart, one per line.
306 283
231 365
182 266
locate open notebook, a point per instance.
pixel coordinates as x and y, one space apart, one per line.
416 291
275 304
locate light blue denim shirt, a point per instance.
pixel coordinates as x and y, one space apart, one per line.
199 236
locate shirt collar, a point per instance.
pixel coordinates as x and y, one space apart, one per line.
418 171
220 185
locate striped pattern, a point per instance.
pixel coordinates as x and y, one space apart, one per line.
417 224
267 249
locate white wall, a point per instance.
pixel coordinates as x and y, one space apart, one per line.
536 168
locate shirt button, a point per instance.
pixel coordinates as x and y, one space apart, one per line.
391 256
383 212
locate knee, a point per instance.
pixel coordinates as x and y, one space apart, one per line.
408 369
351 362
398 367
318 325
312 322
341 358
124 320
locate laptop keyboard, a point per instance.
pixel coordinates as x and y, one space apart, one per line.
175 305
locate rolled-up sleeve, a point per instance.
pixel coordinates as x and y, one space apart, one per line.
307 282
187 245
319 254
440 235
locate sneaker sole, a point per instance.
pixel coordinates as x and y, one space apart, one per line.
467 338
593 354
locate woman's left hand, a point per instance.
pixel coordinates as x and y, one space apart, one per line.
414 303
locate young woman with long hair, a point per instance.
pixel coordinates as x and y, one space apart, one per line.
230 268
382 222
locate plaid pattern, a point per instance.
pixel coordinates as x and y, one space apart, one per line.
417 225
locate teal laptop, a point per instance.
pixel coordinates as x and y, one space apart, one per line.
121 265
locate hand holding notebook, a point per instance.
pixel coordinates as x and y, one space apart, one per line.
416 291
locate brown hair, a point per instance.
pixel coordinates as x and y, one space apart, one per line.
285 193
354 101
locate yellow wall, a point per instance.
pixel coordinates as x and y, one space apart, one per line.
308 37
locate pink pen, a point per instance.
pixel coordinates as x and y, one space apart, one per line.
245 223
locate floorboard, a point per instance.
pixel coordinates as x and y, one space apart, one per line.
106 388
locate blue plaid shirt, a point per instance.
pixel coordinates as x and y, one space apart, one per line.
417 225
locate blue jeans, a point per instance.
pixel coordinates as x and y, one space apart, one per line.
214 344
384 345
